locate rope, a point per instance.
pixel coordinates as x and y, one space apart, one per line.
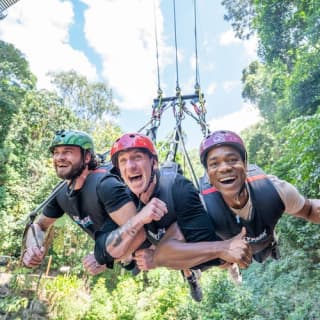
5 4
186 155
178 103
197 85
54 192
176 47
157 48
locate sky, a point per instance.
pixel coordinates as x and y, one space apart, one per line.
117 42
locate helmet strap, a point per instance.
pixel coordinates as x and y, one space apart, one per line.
77 173
152 175
237 196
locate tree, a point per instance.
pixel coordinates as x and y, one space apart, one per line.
240 13
91 101
15 80
28 162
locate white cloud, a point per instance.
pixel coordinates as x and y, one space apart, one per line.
237 121
40 30
228 86
211 89
227 38
123 33
250 47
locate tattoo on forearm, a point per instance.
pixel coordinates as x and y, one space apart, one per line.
130 229
116 237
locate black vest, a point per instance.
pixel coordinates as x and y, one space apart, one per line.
156 229
267 208
84 207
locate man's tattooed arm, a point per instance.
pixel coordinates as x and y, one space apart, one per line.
130 235
125 239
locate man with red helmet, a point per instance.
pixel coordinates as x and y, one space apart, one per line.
90 197
136 159
243 196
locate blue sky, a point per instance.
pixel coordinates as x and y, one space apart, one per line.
114 42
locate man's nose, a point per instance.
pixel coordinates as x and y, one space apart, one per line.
58 156
131 163
224 166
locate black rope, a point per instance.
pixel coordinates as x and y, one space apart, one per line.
176 47
186 155
157 48
178 103
197 85
5 4
54 192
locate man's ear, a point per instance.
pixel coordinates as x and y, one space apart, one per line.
245 164
155 164
87 157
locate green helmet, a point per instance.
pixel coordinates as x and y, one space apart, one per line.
72 138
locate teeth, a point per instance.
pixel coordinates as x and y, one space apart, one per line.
227 179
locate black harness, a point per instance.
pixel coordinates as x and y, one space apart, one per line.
267 208
156 229
84 206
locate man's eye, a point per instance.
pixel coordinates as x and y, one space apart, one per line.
233 160
213 164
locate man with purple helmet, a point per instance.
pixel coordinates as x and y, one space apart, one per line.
136 159
238 195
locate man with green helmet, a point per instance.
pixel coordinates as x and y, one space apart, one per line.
74 138
91 196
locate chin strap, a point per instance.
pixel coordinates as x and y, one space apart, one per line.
77 174
237 196
152 175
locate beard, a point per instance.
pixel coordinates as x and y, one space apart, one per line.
68 173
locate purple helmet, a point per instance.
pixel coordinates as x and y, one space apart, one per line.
219 138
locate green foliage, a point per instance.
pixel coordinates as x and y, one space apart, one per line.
223 300
15 81
279 294
284 85
67 297
27 163
101 303
91 101
304 86
12 305
259 143
298 151
240 14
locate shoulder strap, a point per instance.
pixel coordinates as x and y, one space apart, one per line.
168 172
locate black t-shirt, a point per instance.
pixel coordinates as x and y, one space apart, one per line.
186 209
192 218
90 207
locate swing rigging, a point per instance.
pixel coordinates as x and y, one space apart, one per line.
4 5
179 104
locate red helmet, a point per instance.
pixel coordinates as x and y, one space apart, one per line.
129 141
219 138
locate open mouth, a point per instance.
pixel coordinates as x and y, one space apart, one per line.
227 180
135 178
62 166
